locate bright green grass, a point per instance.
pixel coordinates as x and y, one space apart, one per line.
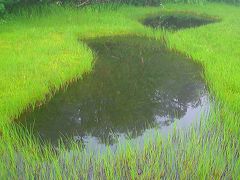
40 54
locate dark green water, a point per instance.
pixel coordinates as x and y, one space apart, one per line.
177 21
137 85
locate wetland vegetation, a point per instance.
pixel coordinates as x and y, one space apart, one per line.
178 21
55 60
136 83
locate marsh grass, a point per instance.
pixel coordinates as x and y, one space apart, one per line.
184 155
41 53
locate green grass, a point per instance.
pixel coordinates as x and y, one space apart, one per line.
41 52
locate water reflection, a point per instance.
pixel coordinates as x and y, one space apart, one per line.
177 21
136 84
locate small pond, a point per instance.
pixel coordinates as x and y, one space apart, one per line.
177 21
136 86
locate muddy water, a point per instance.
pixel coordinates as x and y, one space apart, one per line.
177 21
137 85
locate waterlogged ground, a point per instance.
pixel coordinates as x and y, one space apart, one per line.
55 57
178 21
137 86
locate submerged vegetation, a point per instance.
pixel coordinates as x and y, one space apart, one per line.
40 53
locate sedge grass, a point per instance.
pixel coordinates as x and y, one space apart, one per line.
42 52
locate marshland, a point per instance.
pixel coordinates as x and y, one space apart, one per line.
120 90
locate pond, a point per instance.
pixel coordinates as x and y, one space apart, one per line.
136 86
178 21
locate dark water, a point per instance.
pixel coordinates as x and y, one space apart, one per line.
137 85
177 21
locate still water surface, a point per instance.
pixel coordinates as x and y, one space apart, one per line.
136 86
178 21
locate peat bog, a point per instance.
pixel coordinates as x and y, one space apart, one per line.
137 85
177 21
54 57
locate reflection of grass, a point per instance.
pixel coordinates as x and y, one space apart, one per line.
39 54
179 20
118 104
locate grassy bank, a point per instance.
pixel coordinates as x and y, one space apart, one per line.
40 52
